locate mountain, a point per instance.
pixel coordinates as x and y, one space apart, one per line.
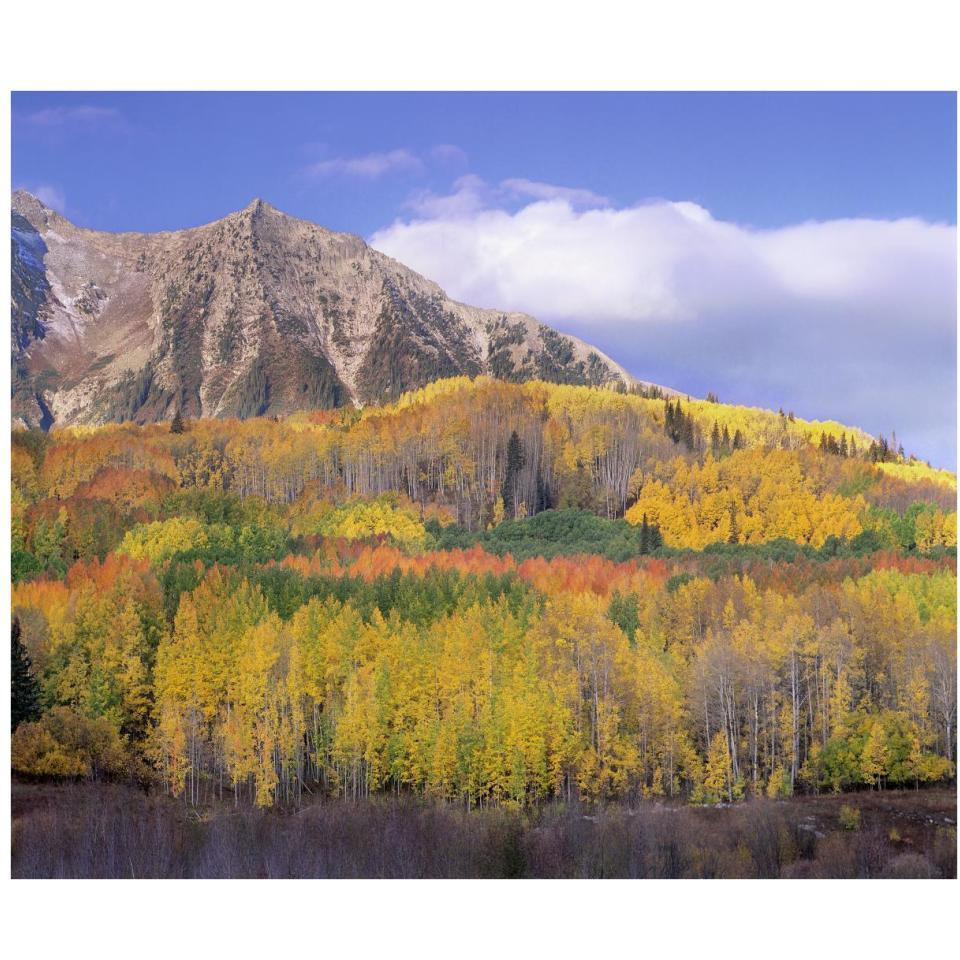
257 313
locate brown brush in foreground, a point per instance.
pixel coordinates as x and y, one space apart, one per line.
113 831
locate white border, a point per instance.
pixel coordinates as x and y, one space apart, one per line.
749 45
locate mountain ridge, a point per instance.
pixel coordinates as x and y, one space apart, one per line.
256 313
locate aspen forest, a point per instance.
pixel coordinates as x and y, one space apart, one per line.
496 598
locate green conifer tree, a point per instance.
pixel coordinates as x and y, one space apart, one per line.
511 479
644 535
24 689
715 441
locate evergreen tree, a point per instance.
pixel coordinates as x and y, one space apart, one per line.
177 425
715 440
24 689
688 432
644 535
654 538
679 426
734 529
511 479
543 499
669 420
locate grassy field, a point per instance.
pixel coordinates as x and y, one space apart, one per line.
106 830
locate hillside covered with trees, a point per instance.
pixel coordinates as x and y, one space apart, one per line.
489 593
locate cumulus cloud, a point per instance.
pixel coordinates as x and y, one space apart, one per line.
472 194
853 319
370 166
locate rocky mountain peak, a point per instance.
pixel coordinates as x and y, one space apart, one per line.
257 313
34 211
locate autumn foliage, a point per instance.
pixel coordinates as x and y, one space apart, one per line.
356 602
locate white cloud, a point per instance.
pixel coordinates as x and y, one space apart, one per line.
370 166
518 186
854 319
57 117
448 153
472 194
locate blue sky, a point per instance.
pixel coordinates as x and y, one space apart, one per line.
780 249
160 161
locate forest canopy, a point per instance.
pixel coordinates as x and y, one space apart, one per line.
486 592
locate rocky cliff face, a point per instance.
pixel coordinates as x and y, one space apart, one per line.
257 313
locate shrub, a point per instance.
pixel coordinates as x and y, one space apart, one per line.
62 743
849 817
